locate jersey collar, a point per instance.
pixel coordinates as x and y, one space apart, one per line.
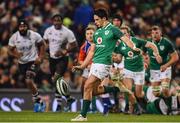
58 29
108 24
158 41
28 33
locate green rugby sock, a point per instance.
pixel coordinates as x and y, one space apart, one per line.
85 108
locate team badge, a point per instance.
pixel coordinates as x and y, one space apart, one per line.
106 32
99 40
161 47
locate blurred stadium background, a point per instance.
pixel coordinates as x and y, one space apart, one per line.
140 15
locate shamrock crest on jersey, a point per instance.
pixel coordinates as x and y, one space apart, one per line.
162 47
106 32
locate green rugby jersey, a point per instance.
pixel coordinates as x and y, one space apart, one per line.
105 39
132 60
165 48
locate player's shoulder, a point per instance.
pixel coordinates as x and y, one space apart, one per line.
99 29
64 28
14 35
137 38
50 28
149 39
113 28
166 41
33 32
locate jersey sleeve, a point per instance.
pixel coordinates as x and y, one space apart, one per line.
45 36
117 33
38 37
82 54
171 47
142 42
70 37
12 40
118 48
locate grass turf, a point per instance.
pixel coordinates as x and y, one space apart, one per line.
28 116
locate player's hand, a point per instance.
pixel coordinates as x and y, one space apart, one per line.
159 59
163 68
146 66
89 67
137 50
77 68
38 60
60 53
19 55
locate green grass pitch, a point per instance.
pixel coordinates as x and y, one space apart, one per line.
29 116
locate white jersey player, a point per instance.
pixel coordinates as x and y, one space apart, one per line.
24 45
61 40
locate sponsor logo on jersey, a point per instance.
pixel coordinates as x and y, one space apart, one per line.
162 47
130 54
50 33
99 40
18 42
106 32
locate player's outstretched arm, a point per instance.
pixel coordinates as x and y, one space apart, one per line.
155 51
173 59
88 58
129 43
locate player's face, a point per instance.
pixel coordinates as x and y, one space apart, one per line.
156 34
57 22
89 35
98 21
125 32
116 22
23 29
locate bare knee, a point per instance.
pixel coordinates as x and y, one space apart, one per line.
165 92
87 87
139 94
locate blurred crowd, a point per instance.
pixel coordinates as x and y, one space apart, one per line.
140 15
